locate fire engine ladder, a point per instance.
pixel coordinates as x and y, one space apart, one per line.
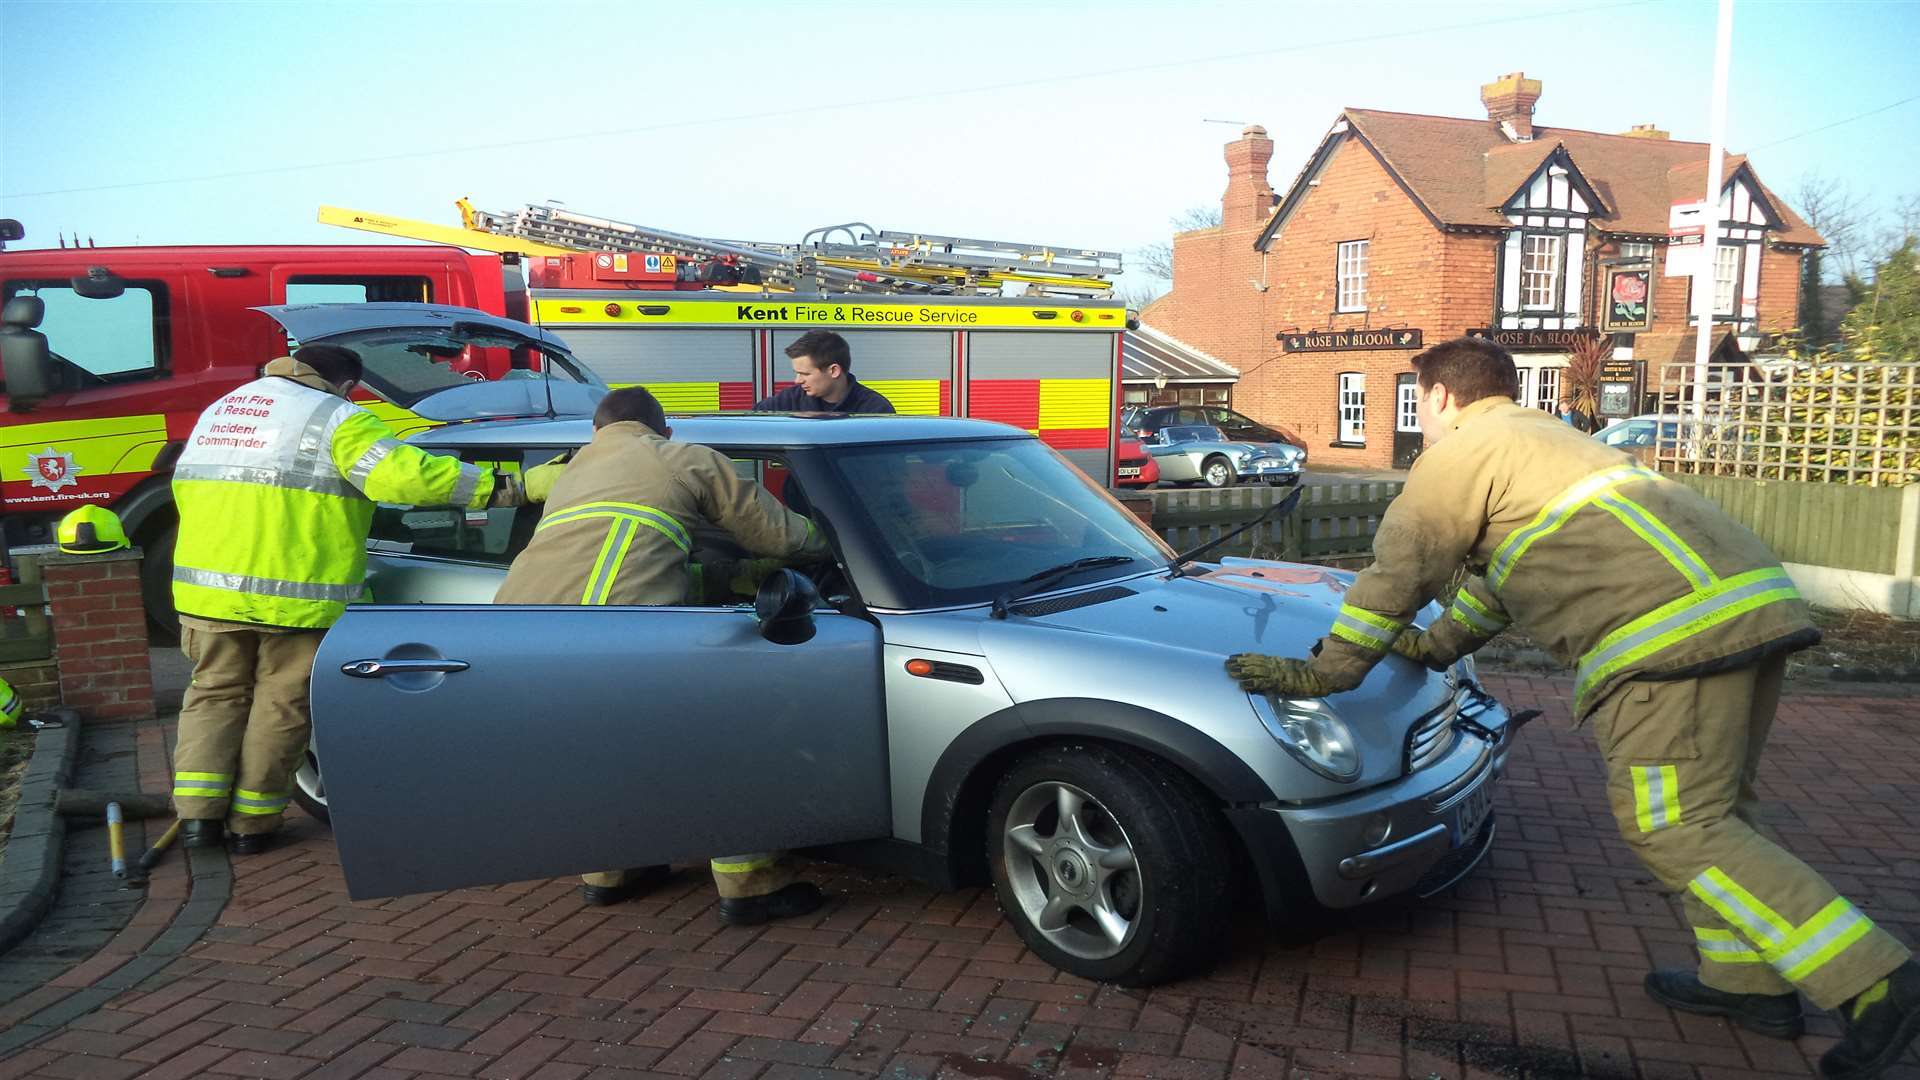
873 261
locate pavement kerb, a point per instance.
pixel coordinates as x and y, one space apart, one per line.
30 872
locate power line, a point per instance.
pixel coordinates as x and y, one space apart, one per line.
1839 123
1165 65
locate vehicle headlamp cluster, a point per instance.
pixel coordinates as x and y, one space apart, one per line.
1316 737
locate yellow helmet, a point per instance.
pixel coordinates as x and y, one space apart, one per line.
11 705
91 530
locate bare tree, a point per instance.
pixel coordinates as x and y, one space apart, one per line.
1835 212
1156 259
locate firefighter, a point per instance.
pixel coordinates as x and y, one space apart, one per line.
275 488
823 380
616 532
1678 622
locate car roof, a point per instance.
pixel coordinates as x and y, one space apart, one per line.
745 430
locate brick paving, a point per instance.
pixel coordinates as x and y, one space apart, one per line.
1530 968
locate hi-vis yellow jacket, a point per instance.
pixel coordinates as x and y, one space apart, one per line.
616 527
276 488
1609 567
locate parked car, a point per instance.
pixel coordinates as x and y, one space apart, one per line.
1639 431
1238 427
1135 468
1201 454
999 675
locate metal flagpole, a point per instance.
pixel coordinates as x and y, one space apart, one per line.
1705 274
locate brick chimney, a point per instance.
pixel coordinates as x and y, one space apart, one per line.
1509 100
1646 131
1249 198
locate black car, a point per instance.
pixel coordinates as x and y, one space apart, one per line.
1236 427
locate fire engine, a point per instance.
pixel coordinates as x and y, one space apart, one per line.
144 338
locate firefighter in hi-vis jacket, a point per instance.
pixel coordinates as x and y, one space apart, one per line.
276 487
1678 622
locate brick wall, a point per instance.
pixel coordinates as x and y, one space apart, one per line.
38 682
100 634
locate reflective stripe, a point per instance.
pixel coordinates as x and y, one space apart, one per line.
1874 993
743 864
1554 515
664 522
1723 947
1659 537
11 701
374 455
259 586
184 792
1656 796
290 479
466 487
1820 939
606 568
1741 908
1673 622
259 802
1366 629
1474 615
218 778
316 439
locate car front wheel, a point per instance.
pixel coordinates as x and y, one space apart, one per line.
1111 865
1217 472
309 788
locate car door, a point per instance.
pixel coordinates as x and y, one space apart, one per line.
478 744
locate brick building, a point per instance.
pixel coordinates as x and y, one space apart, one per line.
1403 230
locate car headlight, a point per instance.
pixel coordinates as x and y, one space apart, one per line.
1310 731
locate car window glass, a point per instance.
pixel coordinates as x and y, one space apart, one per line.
112 340
492 535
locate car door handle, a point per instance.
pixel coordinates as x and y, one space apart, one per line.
380 669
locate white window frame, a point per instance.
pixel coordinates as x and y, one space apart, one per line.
1546 389
1727 260
1352 407
1535 280
1407 406
1350 274
1636 251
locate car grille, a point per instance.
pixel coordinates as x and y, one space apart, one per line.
1431 737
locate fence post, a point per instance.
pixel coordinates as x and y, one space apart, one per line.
1906 558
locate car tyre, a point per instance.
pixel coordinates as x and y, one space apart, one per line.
1217 472
156 583
1111 865
309 789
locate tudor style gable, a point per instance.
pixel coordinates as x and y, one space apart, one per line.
1542 255
1746 216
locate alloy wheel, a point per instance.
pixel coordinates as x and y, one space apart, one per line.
1073 870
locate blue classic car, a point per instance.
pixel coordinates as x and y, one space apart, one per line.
1198 453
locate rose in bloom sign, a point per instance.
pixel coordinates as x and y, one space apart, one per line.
1627 292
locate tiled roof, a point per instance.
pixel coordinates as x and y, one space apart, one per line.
1462 170
1146 352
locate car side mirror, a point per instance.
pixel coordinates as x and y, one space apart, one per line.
25 360
784 607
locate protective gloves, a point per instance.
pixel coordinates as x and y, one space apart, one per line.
1416 646
1279 675
538 481
749 573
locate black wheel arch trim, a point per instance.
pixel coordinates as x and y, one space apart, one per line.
1181 745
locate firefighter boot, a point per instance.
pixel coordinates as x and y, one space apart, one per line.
1777 1015
1880 1023
615 886
799 898
202 832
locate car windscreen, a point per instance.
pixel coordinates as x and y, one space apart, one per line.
406 364
960 523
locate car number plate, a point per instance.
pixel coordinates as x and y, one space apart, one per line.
1471 812
1130 472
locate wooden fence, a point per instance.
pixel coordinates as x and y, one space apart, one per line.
1333 523
1844 526
27 635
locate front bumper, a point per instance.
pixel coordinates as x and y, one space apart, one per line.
1269 471
1145 473
1438 820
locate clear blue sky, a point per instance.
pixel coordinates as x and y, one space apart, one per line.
732 119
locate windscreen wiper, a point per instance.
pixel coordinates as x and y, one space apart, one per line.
1045 579
1274 513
